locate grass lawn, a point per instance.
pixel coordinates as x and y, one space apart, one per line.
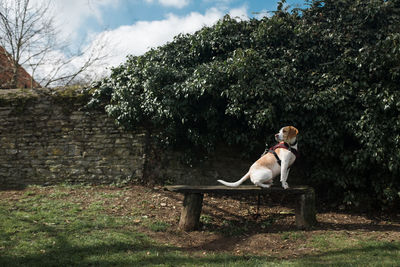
80 226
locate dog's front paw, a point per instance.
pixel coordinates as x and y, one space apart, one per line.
285 185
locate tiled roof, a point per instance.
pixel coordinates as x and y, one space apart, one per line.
24 79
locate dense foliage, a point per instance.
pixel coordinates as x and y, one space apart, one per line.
332 70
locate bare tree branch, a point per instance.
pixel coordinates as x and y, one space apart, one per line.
29 35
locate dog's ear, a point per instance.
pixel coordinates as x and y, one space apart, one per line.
293 131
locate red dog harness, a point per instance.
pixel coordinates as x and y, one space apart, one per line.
283 145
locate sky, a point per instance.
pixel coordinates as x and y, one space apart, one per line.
132 27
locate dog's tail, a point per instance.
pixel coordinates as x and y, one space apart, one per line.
236 184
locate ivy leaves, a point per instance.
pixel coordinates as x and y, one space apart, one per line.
332 69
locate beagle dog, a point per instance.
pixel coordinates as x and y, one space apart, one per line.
276 161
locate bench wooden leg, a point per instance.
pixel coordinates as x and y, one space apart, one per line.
305 210
190 216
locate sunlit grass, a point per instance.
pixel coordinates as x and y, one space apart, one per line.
57 229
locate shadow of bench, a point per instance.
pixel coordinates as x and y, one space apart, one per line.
193 201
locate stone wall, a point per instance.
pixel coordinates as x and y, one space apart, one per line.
47 138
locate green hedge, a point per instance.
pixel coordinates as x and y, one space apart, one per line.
331 69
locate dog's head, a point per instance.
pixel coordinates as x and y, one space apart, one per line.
287 134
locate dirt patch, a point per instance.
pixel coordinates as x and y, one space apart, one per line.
234 225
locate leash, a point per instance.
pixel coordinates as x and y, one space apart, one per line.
272 150
258 215
266 149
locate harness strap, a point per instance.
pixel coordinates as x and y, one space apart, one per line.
282 145
276 156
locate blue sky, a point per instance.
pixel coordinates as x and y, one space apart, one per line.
132 27
128 12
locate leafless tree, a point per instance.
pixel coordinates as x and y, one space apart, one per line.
29 35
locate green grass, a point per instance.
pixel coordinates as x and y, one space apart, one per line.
293 236
48 230
158 226
41 229
336 249
360 254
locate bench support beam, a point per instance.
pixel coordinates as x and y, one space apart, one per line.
190 215
305 210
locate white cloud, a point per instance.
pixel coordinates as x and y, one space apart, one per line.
57 64
263 13
240 12
138 38
218 1
135 39
70 15
174 3
171 3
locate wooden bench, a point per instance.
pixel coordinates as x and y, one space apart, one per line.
193 201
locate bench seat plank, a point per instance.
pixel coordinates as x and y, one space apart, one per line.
242 189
